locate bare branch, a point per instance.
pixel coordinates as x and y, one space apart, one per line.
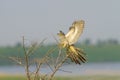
26 61
49 66
17 60
57 67
65 71
59 55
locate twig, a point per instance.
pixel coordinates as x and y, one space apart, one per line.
59 55
26 61
65 71
38 65
57 67
17 60
49 66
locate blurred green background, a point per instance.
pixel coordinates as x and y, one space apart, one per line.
104 51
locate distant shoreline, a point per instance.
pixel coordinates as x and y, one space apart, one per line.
89 69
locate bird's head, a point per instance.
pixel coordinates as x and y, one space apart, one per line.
60 33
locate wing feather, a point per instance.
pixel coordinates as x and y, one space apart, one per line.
73 36
71 31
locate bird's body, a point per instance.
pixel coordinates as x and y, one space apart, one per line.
67 41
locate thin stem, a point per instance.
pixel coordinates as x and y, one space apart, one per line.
58 56
38 65
57 67
26 61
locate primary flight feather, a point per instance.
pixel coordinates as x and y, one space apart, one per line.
75 31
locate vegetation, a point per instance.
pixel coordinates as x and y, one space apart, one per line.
66 78
12 77
94 53
105 53
28 60
40 55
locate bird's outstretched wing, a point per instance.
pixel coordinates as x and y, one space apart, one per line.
70 33
75 31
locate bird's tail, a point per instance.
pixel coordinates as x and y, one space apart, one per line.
76 54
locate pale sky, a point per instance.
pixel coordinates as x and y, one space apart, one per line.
39 19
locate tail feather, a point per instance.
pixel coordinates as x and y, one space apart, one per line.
81 55
74 58
76 55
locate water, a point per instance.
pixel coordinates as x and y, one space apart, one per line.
84 69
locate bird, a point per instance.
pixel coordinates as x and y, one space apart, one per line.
68 40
